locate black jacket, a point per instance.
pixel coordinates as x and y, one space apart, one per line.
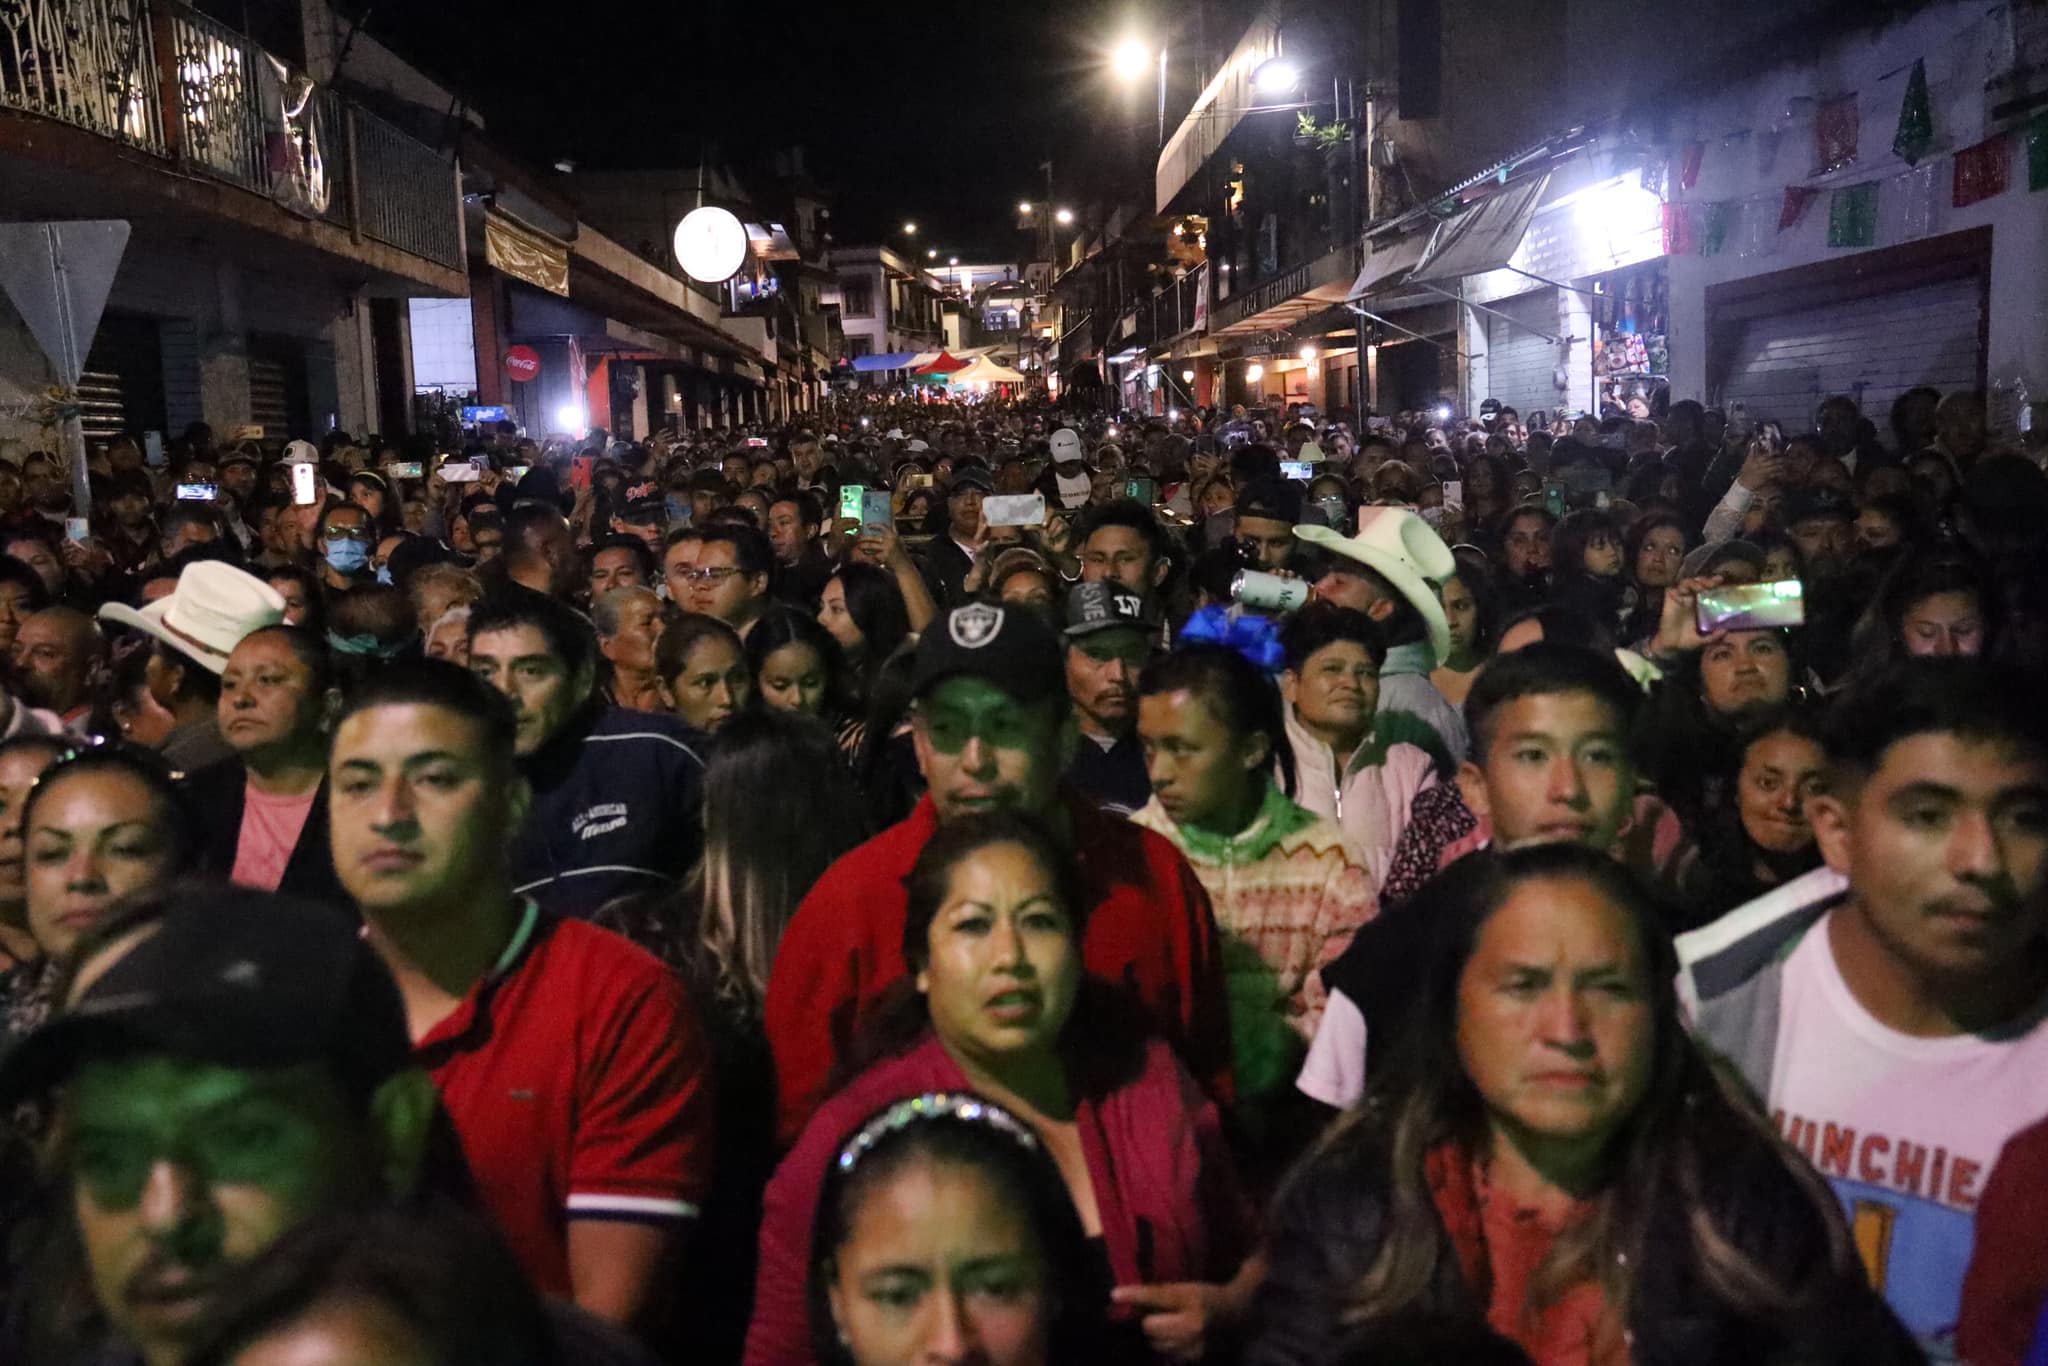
945 569
217 794
1328 1220
615 804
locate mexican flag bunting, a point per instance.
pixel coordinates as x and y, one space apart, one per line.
1836 130
1916 118
1689 164
1679 237
1852 216
1983 171
1797 198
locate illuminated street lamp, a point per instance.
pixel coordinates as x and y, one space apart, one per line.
952 260
1063 217
1308 353
910 229
1130 60
1024 207
1187 377
931 254
1276 76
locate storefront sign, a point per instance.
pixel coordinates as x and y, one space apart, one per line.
491 412
522 363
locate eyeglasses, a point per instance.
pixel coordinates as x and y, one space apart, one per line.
348 533
708 573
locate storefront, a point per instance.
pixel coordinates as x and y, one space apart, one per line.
1631 317
1871 327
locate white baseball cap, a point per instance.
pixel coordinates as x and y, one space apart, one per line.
1066 446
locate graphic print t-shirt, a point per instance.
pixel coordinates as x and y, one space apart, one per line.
1905 1129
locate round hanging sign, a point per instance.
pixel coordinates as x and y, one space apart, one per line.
711 244
522 363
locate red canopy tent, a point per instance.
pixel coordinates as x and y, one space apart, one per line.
946 364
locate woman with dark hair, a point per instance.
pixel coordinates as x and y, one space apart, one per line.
1489 489
428 1286
945 1232
1562 1162
22 593
702 665
1473 612
1002 1007
863 609
797 667
100 822
779 809
22 761
1652 552
1586 555
1288 896
1935 604
305 604
1762 837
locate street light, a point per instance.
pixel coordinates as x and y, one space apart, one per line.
1130 60
1187 377
952 260
931 254
1308 353
1276 76
1254 372
1024 207
910 229
1063 217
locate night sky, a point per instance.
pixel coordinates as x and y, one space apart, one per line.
903 113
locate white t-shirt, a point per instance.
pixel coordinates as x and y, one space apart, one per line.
1334 1070
1904 1129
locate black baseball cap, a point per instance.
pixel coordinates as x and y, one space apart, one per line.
232 976
1811 503
1008 645
1093 607
970 477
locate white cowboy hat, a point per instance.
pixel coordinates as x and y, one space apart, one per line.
213 607
1402 549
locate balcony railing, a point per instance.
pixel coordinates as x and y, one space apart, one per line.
235 113
86 62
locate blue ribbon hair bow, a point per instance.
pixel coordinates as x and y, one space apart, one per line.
1255 637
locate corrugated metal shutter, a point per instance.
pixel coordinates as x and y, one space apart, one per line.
121 387
1521 366
1872 349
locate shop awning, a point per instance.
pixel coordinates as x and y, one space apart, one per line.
1388 260
888 360
1483 237
986 371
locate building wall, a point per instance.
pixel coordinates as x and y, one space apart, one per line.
1961 44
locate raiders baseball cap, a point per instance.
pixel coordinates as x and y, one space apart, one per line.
232 976
1010 646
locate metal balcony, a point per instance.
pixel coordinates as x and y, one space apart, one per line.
175 84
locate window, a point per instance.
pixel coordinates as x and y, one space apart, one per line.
859 346
857 296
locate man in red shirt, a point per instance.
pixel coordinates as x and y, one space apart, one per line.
572 1066
993 729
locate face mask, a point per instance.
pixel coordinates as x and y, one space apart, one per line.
347 557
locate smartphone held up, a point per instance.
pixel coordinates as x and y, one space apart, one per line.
1751 607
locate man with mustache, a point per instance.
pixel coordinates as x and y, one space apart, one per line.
1109 639
1891 1009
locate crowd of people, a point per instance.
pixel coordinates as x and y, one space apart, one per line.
976 882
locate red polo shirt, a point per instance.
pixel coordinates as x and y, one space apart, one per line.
1150 929
580 1086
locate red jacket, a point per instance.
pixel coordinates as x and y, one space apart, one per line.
2006 1288
1149 928
1171 1206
